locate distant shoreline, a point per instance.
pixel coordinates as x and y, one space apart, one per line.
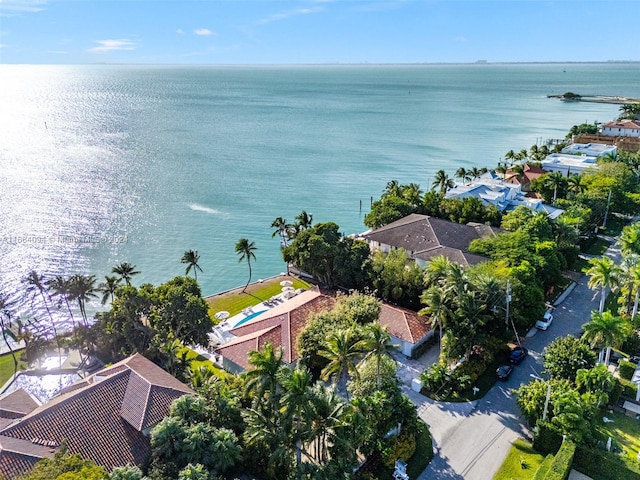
615 100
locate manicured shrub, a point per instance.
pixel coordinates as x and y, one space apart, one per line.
402 446
547 440
626 369
599 464
561 466
629 388
614 395
545 466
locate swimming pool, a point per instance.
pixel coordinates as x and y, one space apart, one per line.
249 317
43 387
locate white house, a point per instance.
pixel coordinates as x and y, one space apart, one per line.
590 149
624 128
568 164
407 329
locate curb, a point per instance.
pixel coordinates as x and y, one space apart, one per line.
565 294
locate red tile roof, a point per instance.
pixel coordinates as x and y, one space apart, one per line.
17 404
403 324
627 124
104 419
280 326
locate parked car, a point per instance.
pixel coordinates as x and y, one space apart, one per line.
517 355
503 372
544 323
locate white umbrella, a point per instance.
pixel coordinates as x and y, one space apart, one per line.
222 315
286 283
287 289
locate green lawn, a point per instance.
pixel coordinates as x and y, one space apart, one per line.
198 360
625 431
6 367
521 463
236 300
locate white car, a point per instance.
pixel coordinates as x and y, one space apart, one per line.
545 322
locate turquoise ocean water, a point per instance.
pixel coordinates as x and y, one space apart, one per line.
102 164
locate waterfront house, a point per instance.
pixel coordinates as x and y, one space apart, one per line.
624 128
424 237
524 179
568 164
590 149
106 417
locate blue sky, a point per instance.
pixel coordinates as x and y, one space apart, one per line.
320 31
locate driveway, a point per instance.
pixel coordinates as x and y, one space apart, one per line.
472 439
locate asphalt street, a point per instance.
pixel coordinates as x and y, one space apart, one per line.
472 439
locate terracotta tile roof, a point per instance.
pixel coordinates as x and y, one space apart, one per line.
18 456
104 419
627 124
17 404
281 326
404 324
424 237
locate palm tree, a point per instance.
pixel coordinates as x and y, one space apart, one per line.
296 404
629 240
126 271
108 288
502 169
436 270
475 172
554 180
522 155
191 258
442 181
510 155
281 228
6 312
326 412
377 342
83 289
245 250
61 288
606 331
262 379
463 174
634 277
412 194
304 220
393 189
576 183
437 309
342 348
603 273
37 285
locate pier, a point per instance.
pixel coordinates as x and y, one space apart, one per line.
616 100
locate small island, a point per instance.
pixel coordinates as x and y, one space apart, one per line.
615 100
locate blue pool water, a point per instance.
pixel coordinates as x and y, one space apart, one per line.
249 317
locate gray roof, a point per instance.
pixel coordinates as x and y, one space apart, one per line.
425 237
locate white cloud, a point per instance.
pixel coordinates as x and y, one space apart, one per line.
111 45
203 32
179 31
276 17
17 7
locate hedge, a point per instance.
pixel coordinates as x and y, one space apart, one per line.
561 466
546 439
601 465
545 466
626 369
629 388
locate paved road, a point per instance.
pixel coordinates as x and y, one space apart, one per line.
472 439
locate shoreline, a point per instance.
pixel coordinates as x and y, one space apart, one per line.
609 99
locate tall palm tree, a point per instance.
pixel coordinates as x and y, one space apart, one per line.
629 240
475 172
412 194
108 288
126 271
606 331
191 258
304 220
576 183
61 288
502 169
36 284
393 189
377 343
83 289
603 273
436 270
442 182
262 379
296 405
463 174
342 349
634 277
281 228
437 309
245 249
326 414
554 180
6 313
510 156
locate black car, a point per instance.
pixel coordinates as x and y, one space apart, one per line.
504 372
517 355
